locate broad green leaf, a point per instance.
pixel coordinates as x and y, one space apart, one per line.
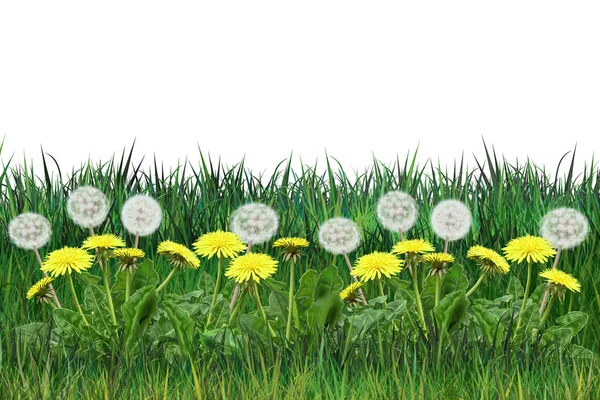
85 278
396 283
306 291
329 282
137 313
70 322
272 284
206 283
394 309
144 275
228 288
324 311
454 280
492 329
515 289
529 321
193 297
278 307
182 324
220 340
366 320
95 304
557 335
582 353
538 293
451 310
255 327
220 313
377 300
574 321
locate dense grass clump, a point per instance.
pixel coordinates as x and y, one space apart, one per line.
506 201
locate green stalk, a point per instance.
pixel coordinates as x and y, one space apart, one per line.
77 306
288 330
381 293
109 301
216 293
347 344
526 295
261 310
476 285
438 287
167 279
127 283
238 306
418 297
547 311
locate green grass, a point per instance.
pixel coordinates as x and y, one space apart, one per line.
507 200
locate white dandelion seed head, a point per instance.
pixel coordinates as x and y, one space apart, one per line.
451 220
339 235
87 206
254 223
29 231
564 227
397 211
141 215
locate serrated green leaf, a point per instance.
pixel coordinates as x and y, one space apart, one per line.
137 313
95 305
182 324
574 321
451 310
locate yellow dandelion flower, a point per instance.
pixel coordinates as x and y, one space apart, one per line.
530 248
436 259
251 266
223 244
351 293
67 260
102 242
488 259
128 257
40 289
376 264
561 279
412 247
179 255
292 247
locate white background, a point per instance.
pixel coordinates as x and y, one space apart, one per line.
265 78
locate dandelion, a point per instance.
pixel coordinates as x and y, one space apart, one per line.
412 247
351 294
179 256
437 268
141 215
375 265
29 231
397 211
292 250
222 244
489 261
219 243
65 261
532 249
254 223
41 290
451 220
558 282
32 231
87 207
339 236
564 228
102 243
292 247
128 259
251 267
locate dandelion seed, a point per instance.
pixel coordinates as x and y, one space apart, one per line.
397 211
87 206
254 223
29 231
339 235
564 228
451 220
141 215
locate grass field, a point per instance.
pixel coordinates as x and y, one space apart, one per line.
506 201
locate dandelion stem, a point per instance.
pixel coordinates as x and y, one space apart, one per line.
438 288
476 285
127 283
381 293
236 291
547 291
77 306
547 312
348 337
167 279
526 294
216 293
109 300
261 310
52 292
364 298
418 297
288 330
